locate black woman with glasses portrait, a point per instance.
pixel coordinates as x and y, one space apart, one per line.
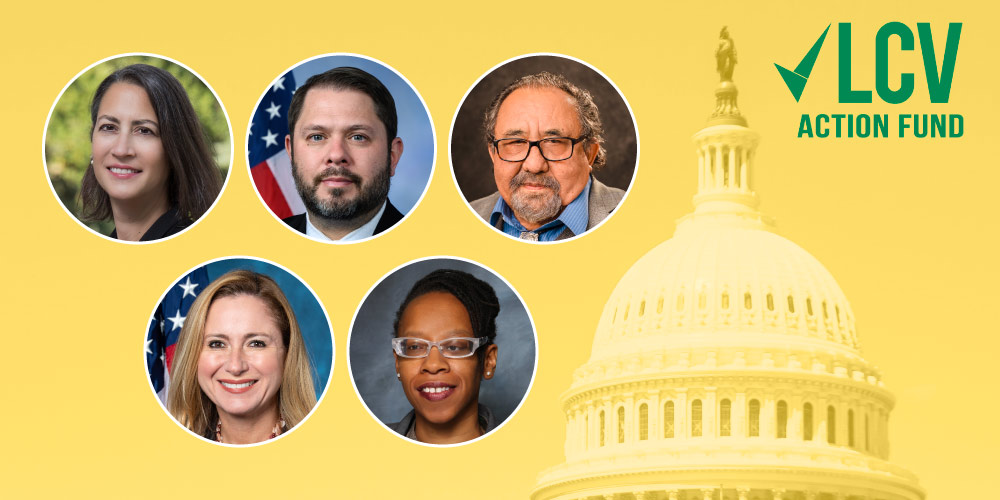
444 347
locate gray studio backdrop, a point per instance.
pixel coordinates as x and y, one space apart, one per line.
370 351
470 159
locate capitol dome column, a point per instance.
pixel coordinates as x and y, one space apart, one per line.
794 424
655 413
681 410
710 414
768 422
740 414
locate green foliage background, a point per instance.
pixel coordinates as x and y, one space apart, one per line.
67 138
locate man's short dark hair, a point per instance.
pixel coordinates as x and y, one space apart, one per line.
586 110
348 78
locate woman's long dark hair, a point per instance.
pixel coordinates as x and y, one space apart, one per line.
193 181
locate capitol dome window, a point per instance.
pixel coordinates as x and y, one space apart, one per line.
809 306
807 422
696 418
770 302
747 301
753 429
680 302
659 305
831 425
725 300
642 307
791 304
643 422
668 420
782 420
725 416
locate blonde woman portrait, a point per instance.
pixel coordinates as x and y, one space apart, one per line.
239 371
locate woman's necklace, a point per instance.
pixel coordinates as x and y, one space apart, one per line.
275 432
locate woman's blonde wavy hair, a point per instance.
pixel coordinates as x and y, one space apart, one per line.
185 399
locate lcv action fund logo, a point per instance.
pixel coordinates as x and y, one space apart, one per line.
937 77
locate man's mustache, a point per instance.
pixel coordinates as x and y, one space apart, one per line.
524 177
337 172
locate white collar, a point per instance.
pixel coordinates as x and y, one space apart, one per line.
367 230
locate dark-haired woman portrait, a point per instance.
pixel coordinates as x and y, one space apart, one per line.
151 170
463 351
444 347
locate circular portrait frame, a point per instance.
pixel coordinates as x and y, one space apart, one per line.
370 363
468 153
270 167
167 321
65 168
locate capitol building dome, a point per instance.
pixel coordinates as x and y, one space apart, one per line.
726 364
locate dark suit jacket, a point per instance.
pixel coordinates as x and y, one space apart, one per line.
602 201
389 218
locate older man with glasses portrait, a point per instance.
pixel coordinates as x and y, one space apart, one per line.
545 137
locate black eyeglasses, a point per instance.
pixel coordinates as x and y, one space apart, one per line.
552 148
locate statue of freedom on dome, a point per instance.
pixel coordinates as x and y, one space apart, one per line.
725 56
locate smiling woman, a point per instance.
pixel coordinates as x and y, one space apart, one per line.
241 374
444 350
151 169
463 351
136 147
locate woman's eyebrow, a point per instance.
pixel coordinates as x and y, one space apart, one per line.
244 336
115 120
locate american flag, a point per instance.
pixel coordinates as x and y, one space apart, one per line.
165 327
269 164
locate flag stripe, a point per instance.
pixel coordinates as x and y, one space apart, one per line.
270 191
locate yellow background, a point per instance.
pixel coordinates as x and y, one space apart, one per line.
908 227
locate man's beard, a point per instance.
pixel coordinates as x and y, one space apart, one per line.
371 195
536 207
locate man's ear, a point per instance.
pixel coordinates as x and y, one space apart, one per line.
492 152
591 149
395 151
288 145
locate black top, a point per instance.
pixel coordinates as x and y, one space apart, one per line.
389 218
169 224
405 427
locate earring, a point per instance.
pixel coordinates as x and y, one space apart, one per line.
488 373
397 376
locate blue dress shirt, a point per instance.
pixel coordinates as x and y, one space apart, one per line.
574 217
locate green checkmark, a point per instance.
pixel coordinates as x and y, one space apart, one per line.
796 80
